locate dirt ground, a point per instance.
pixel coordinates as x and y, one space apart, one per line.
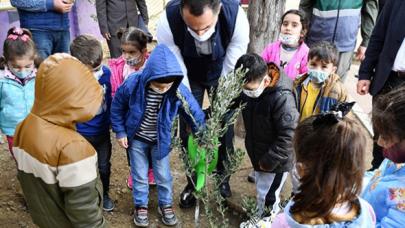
13 212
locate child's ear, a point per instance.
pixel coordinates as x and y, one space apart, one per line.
274 73
144 50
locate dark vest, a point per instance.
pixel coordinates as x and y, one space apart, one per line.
205 69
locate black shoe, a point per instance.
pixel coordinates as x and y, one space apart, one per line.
108 204
251 177
225 190
187 199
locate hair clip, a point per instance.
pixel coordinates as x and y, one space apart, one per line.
12 37
18 31
336 114
24 37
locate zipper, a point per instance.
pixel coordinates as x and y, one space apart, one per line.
158 123
337 20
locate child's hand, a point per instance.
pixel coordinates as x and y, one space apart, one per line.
62 6
123 142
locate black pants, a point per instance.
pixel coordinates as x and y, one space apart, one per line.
198 90
392 82
102 144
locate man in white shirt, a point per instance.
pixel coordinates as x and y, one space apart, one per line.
207 38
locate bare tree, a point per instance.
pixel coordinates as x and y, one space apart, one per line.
264 18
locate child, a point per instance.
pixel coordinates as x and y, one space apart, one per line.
134 55
319 89
142 115
290 52
133 59
386 189
57 167
330 153
115 14
17 80
270 117
97 131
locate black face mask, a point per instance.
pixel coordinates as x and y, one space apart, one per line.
395 153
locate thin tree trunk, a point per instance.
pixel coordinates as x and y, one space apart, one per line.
264 18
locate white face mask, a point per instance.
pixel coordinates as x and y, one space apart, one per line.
98 73
204 37
156 90
255 93
289 40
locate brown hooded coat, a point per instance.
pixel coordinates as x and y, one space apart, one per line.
57 167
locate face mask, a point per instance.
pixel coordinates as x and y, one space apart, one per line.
395 153
255 93
203 37
133 61
289 40
161 91
317 76
98 73
21 74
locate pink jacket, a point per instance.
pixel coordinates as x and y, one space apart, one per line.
296 66
117 72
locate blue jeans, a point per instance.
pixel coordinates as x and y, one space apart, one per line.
138 155
50 42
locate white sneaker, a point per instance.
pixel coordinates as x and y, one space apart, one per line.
257 223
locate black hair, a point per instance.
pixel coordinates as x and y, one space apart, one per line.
324 51
18 43
388 114
196 7
88 50
169 79
133 36
256 66
303 19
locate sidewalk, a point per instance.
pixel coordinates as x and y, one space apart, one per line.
362 108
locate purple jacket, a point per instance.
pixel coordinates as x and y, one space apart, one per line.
296 66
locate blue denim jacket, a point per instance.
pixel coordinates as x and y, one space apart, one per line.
40 15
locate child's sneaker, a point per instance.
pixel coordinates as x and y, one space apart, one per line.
257 223
141 217
151 177
168 216
129 182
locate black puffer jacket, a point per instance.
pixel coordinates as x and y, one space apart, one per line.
270 121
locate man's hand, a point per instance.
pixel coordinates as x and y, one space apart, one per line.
63 6
361 53
123 142
363 87
107 36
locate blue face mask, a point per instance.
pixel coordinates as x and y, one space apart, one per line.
317 76
21 74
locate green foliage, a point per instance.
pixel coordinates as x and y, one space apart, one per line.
228 90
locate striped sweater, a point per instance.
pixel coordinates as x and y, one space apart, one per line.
148 129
